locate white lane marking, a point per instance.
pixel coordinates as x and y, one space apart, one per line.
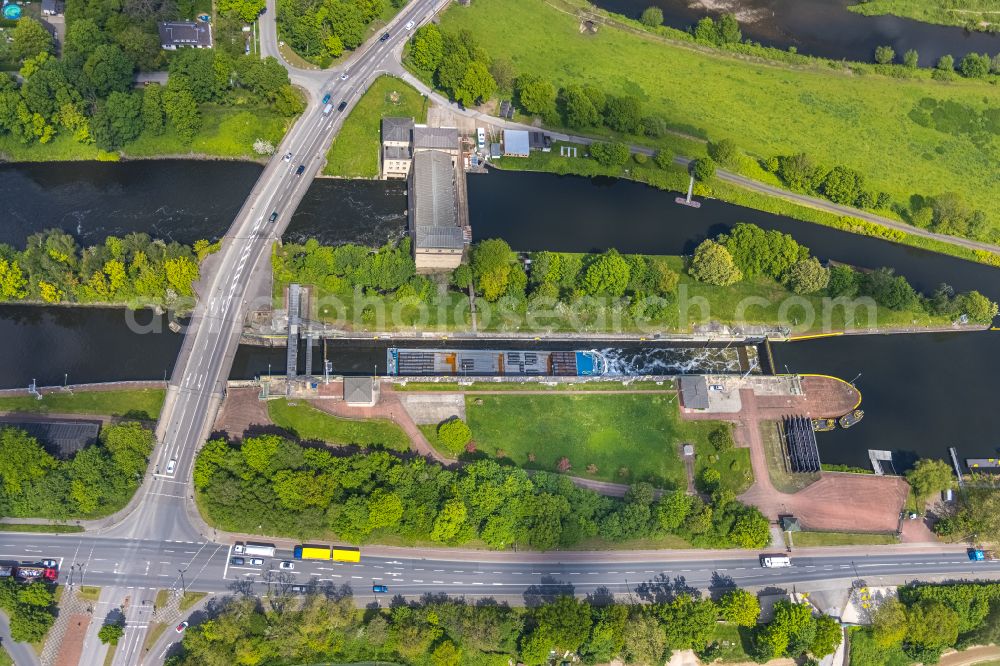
226 569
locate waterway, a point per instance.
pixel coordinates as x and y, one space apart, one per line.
822 28
922 393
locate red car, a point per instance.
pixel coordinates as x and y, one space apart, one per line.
182 626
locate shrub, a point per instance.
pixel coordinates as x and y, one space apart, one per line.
884 55
721 439
808 276
640 158
564 465
652 17
703 169
453 435
713 264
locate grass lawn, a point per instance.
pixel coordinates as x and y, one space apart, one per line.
109 656
637 434
807 539
836 115
226 132
5 659
89 593
733 465
783 480
354 153
153 634
945 12
162 597
455 387
142 403
734 642
189 599
45 529
309 423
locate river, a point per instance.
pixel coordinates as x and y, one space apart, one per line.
922 393
822 28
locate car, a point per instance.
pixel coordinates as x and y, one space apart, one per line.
237 561
297 589
288 157
300 170
409 25
50 564
326 100
381 589
274 216
287 566
384 37
256 562
342 105
343 77
171 465
182 626
716 387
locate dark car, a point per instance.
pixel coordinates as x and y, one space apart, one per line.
382 589
300 170
238 561
326 98
274 216
384 37
342 105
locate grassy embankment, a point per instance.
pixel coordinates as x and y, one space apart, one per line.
808 539
836 114
308 423
46 529
227 133
980 14
355 150
628 438
135 403
455 387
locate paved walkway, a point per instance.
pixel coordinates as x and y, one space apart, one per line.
65 639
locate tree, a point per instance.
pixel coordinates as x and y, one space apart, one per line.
153 117
246 11
118 121
884 55
911 59
931 625
976 307
663 158
28 39
652 17
623 114
607 637
740 607
608 275
889 626
609 154
477 85
750 529
843 282
563 624
449 521
181 273
689 622
108 69
644 640
808 276
110 634
502 70
888 289
842 185
946 63
798 171
828 636
726 153
703 169
975 66
13 283
181 109
713 265
428 47
578 108
453 435
672 509
929 476
728 29
536 96
491 268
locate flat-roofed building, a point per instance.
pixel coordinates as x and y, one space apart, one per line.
180 34
516 143
397 151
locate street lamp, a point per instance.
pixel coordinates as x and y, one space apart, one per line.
183 586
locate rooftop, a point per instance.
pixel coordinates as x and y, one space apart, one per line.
435 138
515 142
435 211
397 129
359 390
185 33
694 392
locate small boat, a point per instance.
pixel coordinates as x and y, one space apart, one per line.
847 420
824 425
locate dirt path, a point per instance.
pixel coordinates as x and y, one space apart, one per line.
974 655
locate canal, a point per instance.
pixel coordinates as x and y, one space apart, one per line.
824 28
922 393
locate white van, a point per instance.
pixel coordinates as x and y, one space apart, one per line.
775 561
327 109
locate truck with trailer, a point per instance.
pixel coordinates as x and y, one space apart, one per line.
254 549
775 561
335 553
31 572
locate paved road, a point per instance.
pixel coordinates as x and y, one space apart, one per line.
22 653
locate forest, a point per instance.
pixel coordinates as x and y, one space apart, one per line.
133 270
96 481
322 30
272 485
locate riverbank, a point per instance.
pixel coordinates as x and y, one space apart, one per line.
845 116
982 15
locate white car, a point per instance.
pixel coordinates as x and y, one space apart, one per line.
343 77
409 26
287 566
171 465
288 157
50 564
256 562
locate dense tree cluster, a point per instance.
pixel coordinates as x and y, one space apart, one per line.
927 619
321 30
30 607
88 94
278 486
327 626
97 480
459 66
948 213
747 251
133 270
721 31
